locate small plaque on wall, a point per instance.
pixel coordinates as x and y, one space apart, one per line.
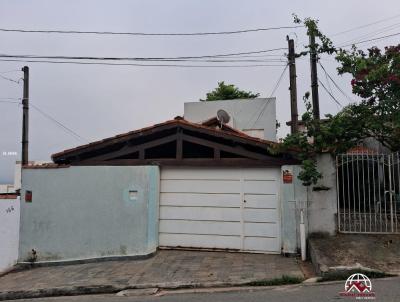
28 196
287 176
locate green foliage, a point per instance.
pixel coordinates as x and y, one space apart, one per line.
376 79
284 280
344 274
324 45
229 92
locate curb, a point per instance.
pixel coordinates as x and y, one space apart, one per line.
22 265
315 259
111 289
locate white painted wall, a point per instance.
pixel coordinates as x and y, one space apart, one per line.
253 116
322 205
7 188
9 233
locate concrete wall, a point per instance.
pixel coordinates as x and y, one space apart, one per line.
89 212
245 114
322 205
319 207
9 232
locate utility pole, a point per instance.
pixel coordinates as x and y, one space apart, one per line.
314 77
25 117
293 86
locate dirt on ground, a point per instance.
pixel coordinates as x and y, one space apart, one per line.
379 252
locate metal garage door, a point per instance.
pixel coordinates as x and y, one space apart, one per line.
224 208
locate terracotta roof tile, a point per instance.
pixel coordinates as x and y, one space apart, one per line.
182 121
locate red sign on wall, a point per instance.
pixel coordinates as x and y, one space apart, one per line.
28 196
287 177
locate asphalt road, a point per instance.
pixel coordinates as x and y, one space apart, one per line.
386 290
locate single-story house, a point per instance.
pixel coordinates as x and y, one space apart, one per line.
178 184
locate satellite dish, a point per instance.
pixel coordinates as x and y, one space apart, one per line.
223 116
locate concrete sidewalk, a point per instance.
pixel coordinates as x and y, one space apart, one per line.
167 269
346 251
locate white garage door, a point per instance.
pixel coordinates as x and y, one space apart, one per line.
224 208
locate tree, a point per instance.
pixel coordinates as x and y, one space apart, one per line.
228 92
376 79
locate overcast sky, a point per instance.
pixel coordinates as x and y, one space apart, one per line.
101 101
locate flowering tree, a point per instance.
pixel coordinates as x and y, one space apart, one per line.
376 80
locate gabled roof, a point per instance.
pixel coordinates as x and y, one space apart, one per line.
134 143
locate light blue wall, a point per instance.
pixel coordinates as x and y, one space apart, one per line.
85 212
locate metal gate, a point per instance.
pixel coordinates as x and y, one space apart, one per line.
368 187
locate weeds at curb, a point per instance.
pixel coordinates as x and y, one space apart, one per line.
344 274
284 280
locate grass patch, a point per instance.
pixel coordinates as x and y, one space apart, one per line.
343 275
284 280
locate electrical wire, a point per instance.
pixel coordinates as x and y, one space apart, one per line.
9 71
372 34
140 65
334 83
365 25
57 31
6 98
9 79
279 81
370 40
65 128
140 58
273 91
10 102
330 94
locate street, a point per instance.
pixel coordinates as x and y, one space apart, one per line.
386 290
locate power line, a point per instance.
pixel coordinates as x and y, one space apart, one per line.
73 133
279 80
6 98
330 94
374 33
334 83
273 91
140 58
57 31
200 60
370 40
9 71
9 79
365 25
140 65
10 102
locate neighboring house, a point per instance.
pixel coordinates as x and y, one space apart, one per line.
255 117
10 219
7 189
9 230
177 184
